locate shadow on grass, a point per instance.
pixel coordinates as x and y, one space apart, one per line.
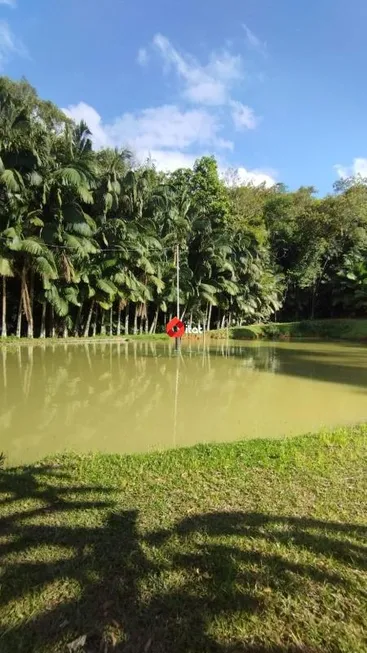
124 601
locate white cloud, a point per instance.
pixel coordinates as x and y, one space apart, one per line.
169 160
83 111
10 3
142 57
243 116
173 136
241 177
163 131
357 168
253 41
209 84
9 45
168 137
167 127
256 177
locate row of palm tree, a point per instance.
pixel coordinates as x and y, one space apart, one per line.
88 240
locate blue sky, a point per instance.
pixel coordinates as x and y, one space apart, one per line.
275 88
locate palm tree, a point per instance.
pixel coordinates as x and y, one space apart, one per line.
6 270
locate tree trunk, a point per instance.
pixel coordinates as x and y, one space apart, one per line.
118 326
3 314
65 330
31 301
209 316
127 317
313 301
141 318
77 320
135 329
43 321
146 325
223 321
27 304
89 317
19 317
190 321
155 320
111 322
52 322
218 319
205 318
103 327
94 327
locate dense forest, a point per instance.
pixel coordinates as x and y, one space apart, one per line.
88 238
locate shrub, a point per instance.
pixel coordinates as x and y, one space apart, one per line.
271 331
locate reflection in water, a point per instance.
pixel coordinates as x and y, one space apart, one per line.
140 396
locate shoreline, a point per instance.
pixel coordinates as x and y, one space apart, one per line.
332 330
263 446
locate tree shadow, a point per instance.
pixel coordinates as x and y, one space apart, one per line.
121 589
343 366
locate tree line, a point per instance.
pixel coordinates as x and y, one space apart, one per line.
88 239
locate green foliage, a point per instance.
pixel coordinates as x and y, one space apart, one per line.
74 218
271 331
243 333
337 329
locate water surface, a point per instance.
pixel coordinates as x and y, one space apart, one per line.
141 396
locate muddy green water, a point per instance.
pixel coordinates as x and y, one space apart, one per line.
141 396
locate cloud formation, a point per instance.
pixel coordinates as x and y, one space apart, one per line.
163 135
175 135
9 45
9 3
160 127
243 116
253 41
209 84
357 168
256 177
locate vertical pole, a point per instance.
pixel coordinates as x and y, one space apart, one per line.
178 289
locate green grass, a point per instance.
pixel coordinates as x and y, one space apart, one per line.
342 329
12 340
254 546
338 329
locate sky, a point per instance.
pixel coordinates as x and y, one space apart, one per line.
273 88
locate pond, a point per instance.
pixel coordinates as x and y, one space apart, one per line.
142 396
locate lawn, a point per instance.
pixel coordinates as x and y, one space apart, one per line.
331 329
254 546
12 340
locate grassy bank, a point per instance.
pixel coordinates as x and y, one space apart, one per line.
255 546
12 340
343 329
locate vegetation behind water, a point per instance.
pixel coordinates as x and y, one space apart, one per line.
255 546
88 238
332 329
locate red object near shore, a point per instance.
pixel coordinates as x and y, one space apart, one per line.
175 328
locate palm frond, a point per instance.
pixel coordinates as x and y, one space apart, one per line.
6 269
33 247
